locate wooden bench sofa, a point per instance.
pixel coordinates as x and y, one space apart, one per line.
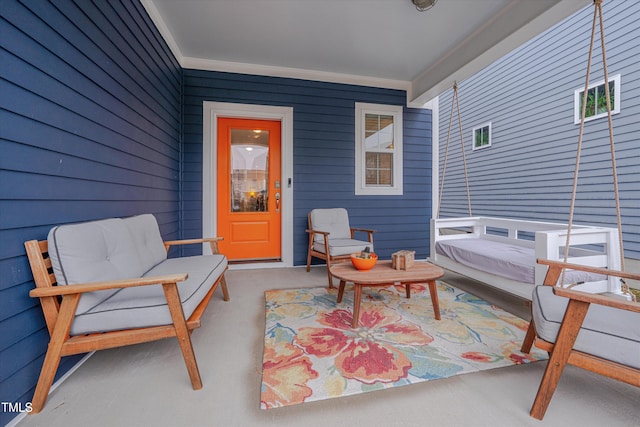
502 252
109 283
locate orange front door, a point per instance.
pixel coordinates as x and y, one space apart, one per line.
249 197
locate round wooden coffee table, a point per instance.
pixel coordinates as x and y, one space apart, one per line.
383 275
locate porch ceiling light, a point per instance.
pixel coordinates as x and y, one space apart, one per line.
423 5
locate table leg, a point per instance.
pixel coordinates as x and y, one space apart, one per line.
434 298
341 290
357 297
408 290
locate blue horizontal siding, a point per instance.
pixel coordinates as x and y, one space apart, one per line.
90 127
98 120
323 154
527 173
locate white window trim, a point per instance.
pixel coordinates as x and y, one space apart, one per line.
473 136
361 187
577 113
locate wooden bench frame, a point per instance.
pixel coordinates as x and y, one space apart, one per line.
562 352
59 304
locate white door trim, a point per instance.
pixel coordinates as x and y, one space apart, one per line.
211 112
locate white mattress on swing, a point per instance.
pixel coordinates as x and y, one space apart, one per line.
513 262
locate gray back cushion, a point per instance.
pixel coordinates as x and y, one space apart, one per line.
93 251
334 221
102 250
147 239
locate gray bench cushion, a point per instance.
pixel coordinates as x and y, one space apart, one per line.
146 305
607 332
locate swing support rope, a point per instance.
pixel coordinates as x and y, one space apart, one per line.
597 19
454 104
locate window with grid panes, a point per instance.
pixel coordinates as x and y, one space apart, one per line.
378 149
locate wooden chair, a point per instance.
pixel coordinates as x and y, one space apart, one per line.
59 305
606 343
331 238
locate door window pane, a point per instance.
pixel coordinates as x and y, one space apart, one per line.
249 170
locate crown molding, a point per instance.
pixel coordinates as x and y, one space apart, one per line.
294 73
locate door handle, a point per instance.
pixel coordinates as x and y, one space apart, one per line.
277 202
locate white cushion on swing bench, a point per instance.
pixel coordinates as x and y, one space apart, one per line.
511 261
606 332
515 262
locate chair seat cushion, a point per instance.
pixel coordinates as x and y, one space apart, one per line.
606 332
338 247
144 306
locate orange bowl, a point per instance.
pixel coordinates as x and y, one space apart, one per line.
363 264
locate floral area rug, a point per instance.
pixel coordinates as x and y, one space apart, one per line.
312 353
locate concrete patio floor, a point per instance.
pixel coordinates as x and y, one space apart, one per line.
147 384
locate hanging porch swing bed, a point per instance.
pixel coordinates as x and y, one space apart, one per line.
502 252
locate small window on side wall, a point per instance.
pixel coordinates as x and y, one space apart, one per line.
596 105
378 149
482 136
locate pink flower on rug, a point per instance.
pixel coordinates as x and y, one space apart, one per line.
367 353
285 373
517 358
415 288
480 357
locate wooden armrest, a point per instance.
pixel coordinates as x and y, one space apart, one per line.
366 230
213 243
597 299
596 270
324 233
192 241
101 286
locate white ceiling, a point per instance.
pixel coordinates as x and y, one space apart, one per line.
386 43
